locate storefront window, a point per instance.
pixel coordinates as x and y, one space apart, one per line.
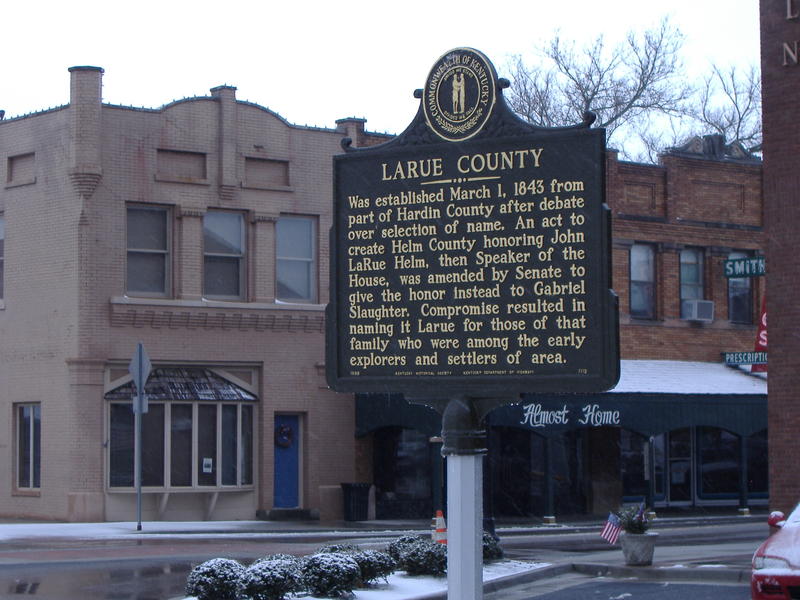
402 473
718 462
190 431
635 465
757 465
569 472
517 471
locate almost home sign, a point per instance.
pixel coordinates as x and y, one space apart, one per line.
471 254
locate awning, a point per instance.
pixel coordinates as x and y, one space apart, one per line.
652 397
184 384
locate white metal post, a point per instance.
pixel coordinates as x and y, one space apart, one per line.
464 527
137 464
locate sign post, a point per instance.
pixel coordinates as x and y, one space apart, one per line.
139 368
470 262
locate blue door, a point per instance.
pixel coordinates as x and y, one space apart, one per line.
287 461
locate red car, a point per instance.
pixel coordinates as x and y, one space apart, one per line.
776 563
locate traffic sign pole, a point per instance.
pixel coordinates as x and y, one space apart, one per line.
139 368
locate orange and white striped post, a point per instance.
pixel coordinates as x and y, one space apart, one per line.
440 534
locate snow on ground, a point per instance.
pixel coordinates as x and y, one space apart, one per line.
405 587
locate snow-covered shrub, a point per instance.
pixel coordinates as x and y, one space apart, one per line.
374 565
491 548
215 579
334 548
280 556
330 575
423 557
401 545
270 579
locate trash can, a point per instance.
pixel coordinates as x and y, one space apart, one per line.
356 501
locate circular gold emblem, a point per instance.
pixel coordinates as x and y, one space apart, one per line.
459 94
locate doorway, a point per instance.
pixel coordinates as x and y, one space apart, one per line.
287 462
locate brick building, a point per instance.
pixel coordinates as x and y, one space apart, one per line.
681 428
780 76
200 230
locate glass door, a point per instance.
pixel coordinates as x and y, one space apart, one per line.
680 466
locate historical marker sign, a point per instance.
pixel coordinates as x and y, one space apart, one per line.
472 255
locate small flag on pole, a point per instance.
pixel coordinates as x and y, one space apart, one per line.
612 529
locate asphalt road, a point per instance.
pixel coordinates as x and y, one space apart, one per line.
625 590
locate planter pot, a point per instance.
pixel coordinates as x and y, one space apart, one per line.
637 548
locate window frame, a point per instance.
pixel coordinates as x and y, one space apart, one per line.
312 261
33 468
699 286
2 258
245 465
241 257
166 253
742 283
651 283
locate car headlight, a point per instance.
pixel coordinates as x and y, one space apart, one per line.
769 562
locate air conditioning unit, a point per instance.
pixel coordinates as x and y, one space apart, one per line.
697 310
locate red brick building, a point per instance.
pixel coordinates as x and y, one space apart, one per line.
780 74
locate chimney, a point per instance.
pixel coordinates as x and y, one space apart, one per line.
85 100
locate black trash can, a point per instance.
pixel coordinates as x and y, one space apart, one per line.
356 501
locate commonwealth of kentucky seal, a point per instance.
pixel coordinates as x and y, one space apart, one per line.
459 94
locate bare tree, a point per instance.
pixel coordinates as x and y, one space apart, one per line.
726 102
729 103
624 86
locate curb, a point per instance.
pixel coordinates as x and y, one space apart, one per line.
671 574
719 575
501 583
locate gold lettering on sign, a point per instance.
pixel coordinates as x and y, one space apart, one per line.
789 53
470 263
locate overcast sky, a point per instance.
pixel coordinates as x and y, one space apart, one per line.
315 62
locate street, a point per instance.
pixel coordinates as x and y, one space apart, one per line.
578 588
154 567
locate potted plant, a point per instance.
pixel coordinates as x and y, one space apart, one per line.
638 544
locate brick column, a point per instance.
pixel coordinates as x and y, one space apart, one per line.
188 261
780 76
263 262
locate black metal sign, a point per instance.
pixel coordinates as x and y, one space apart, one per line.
471 254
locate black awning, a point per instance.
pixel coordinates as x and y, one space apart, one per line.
186 384
551 414
374 411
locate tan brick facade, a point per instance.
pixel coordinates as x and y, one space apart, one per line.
68 327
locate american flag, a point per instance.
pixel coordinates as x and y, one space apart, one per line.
612 529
